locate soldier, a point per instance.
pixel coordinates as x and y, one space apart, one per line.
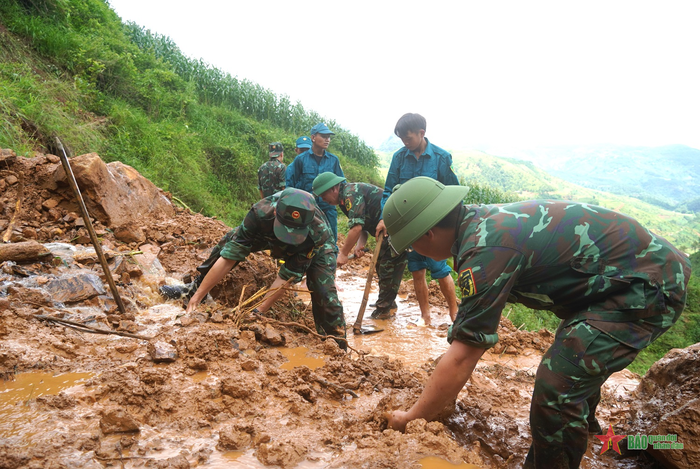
314 161
271 175
615 285
293 228
361 203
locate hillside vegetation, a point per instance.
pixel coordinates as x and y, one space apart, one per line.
71 69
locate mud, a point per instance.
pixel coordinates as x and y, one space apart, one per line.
221 395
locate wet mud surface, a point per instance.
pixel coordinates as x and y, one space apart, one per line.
213 389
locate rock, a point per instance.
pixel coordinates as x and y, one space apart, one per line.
115 193
75 288
129 233
271 336
162 352
117 420
232 439
667 403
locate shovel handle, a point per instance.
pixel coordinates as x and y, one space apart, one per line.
375 256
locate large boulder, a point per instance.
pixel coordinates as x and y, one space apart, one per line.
668 403
115 193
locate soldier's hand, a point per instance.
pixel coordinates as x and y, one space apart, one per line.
192 305
359 251
381 230
396 420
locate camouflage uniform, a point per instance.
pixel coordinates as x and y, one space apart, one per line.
615 285
315 257
271 177
361 203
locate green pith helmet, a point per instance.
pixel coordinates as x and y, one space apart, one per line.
416 206
294 213
325 181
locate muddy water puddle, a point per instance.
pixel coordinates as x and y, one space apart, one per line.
401 338
19 419
438 463
299 356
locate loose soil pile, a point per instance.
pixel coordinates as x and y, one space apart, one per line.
210 389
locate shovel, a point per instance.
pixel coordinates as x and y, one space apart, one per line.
357 327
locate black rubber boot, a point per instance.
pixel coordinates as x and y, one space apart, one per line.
393 305
177 292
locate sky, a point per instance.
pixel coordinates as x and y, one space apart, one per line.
485 74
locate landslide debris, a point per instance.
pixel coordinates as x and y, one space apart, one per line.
203 391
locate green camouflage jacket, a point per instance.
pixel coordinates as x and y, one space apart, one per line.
256 233
362 204
271 177
579 261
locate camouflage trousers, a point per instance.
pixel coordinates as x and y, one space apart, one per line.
567 392
390 272
320 279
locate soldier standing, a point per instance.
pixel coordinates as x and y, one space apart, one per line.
271 174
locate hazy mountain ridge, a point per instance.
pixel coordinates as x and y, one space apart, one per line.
527 180
667 176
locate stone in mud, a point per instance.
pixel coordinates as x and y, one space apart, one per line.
239 386
117 420
667 403
284 454
75 288
233 439
130 233
162 352
271 336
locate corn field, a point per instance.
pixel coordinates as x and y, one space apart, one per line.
218 88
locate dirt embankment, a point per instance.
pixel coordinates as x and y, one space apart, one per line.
211 389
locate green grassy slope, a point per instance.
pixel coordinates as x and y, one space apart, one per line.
71 69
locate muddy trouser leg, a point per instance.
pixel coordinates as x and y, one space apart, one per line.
567 389
204 268
325 304
390 272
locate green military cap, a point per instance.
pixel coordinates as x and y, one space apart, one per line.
275 149
325 181
294 213
417 205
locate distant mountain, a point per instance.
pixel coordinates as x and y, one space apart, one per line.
667 176
390 145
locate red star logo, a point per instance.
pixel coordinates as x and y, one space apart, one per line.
610 438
